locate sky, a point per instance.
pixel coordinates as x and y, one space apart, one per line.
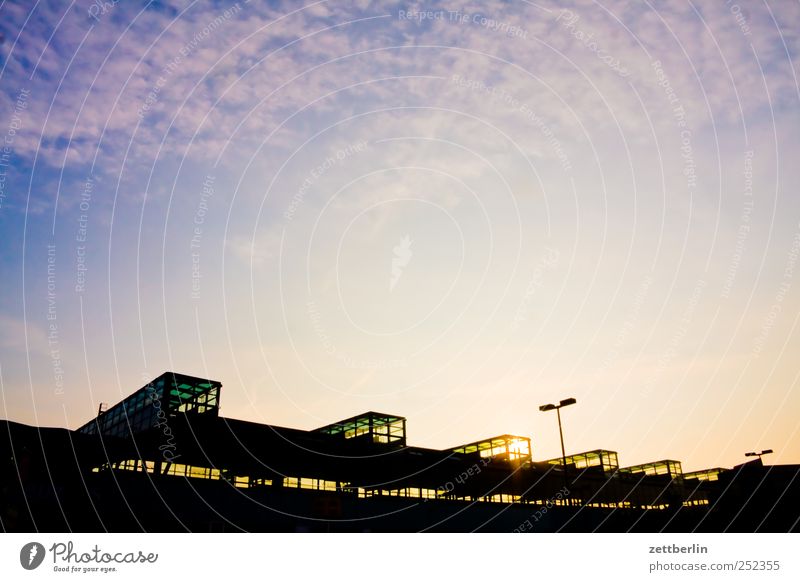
455 212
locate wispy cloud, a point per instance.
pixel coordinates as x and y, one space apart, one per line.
616 134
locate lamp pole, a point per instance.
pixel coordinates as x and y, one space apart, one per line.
557 408
561 436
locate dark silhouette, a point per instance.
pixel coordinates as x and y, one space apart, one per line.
165 460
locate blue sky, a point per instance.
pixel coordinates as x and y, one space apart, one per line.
453 212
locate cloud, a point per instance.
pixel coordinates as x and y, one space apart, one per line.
207 70
250 83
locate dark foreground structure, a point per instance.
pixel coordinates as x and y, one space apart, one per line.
163 460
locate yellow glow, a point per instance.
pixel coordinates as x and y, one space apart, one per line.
518 449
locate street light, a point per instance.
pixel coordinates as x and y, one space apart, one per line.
557 408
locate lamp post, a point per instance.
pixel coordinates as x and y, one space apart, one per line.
557 408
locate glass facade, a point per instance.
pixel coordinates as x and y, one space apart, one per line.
311 483
162 398
606 460
666 467
370 426
506 447
172 394
705 474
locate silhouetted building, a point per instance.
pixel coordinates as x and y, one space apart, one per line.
163 459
